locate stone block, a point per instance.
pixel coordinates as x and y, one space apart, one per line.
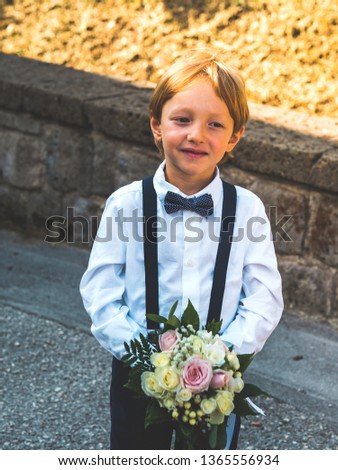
236 176
22 160
124 116
104 167
51 91
275 151
81 218
117 163
335 300
322 239
28 210
69 158
286 207
13 208
41 205
134 163
8 142
324 173
307 287
320 127
19 122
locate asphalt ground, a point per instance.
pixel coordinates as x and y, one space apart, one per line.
56 376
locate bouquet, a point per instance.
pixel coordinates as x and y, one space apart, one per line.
189 376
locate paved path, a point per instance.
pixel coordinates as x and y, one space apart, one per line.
39 291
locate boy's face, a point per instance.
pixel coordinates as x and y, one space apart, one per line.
196 129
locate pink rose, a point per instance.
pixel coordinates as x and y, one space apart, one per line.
168 340
219 379
196 375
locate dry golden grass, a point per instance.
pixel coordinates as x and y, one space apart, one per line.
285 49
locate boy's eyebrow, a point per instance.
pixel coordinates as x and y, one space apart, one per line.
186 109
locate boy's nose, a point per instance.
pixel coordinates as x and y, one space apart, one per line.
196 133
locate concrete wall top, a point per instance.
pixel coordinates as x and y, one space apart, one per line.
277 142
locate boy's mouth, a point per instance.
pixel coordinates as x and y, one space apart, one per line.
193 153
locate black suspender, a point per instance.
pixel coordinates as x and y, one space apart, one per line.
151 256
150 248
223 251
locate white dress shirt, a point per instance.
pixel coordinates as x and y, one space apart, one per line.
113 286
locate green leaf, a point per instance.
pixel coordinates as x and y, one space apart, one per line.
156 318
131 361
251 390
126 347
242 407
126 357
134 379
190 317
222 435
173 322
213 436
245 360
139 349
214 326
155 414
133 347
187 437
173 309
144 342
146 345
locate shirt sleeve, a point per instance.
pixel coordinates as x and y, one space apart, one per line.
102 286
261 302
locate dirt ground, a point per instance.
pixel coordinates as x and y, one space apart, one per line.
285 49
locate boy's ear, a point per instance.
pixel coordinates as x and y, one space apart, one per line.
155 126
234 139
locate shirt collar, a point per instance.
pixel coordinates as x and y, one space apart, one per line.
162 186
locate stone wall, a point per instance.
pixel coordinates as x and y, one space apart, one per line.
69 138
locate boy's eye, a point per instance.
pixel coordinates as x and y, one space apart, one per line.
182 120
216 124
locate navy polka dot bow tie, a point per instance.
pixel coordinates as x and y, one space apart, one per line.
203 205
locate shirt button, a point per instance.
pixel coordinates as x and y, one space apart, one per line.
190 263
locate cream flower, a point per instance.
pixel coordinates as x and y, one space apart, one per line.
169 403
167 377
225 402
197 344
236 384
233 360
183 394
159 359
208 405
150 385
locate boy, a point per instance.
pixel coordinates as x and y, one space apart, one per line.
197 116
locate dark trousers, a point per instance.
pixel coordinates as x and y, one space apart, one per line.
127 419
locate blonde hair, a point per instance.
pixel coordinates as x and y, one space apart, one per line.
206 63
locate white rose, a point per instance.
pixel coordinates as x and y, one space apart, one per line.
215 354
205 335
